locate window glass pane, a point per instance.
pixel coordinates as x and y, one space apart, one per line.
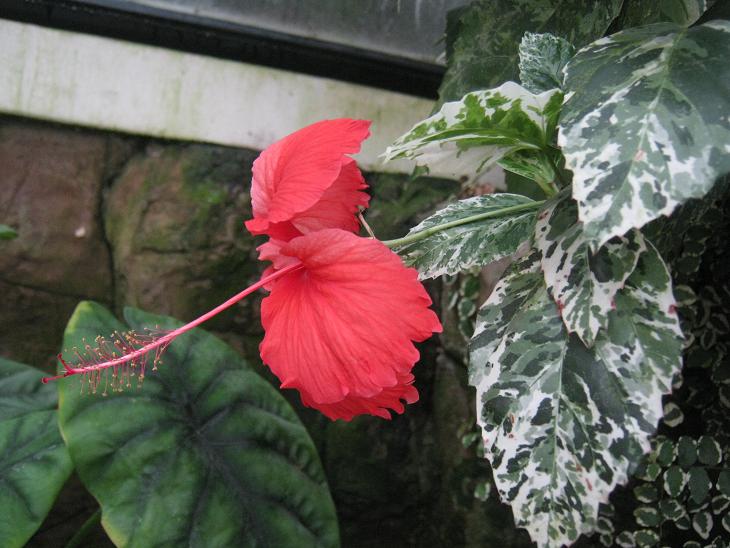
411 29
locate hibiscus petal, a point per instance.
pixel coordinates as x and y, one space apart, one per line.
340 330
338 206
291 175
391 398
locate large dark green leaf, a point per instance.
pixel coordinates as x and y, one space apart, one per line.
646 126
507 220
483 42
564 424
34 462
582 282
206 454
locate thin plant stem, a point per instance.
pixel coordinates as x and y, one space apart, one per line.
409 239
548 188
364 223
83 532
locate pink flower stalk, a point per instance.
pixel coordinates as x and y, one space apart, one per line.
343 312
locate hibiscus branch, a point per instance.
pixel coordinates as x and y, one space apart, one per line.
423 234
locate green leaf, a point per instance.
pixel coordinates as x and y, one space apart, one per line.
470 135
646 537
563 424
207 453
709 451
720 503
482 39
726 522
582 283
649 471
682 12
645 493
472 244
673 415
646 125
542 58
672 509
7 232
665 451
699 484
723 482
702 524
626 539
686 451
34 462
674 480
646 516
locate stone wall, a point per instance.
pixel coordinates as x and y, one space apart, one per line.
159 225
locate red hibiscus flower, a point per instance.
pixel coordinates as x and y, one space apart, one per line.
340 329
343 312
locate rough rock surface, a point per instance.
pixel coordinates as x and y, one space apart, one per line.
51 181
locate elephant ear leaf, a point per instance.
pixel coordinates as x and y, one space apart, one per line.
34 462
206 454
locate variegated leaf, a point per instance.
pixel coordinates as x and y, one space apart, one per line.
542 58
583 283
563 424
646 126
470 135
499 224
482 38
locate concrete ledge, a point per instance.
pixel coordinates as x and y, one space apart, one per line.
110 84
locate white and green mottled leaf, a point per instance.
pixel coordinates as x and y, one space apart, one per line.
582 282
470 135
542 58
720 503
709 451
646 126
482 38
562 423
671 509
686 451
673 415
699 484
473 244
702 524
675 480
647 516
646 537
645 492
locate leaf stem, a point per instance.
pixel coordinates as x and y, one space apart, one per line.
410 238
547 187
82 533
